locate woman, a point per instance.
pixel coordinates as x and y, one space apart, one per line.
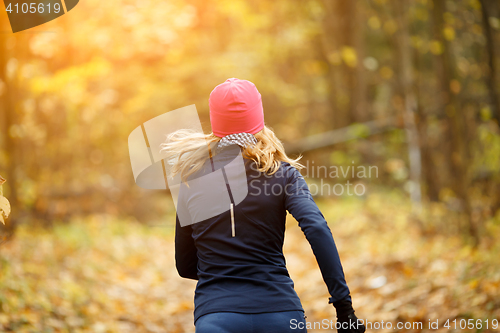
236 255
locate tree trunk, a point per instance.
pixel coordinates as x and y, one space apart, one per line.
490 47
457 149
410 105
360 102
429 174
338 33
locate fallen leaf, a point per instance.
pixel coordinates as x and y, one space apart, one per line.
4 206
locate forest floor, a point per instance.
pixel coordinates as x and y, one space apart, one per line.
104 275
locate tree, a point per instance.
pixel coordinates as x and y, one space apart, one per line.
491 76
410 104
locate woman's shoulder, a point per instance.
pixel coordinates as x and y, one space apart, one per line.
288 171
287 166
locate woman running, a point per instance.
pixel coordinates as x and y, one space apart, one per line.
230 237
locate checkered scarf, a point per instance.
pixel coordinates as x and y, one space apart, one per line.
240 139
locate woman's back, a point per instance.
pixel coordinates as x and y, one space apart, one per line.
247 272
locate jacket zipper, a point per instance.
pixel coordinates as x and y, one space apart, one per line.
233 232
231 205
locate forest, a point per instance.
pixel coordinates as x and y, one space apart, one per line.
407 91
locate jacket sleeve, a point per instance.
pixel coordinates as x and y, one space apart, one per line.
186 254
299 202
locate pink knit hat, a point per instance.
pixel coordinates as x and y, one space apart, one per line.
236 107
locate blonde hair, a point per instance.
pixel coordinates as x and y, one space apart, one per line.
187 151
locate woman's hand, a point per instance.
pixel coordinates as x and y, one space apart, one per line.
347 322
350 324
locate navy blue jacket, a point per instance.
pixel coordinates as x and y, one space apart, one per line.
247 273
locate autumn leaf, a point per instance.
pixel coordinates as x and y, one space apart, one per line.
4 204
